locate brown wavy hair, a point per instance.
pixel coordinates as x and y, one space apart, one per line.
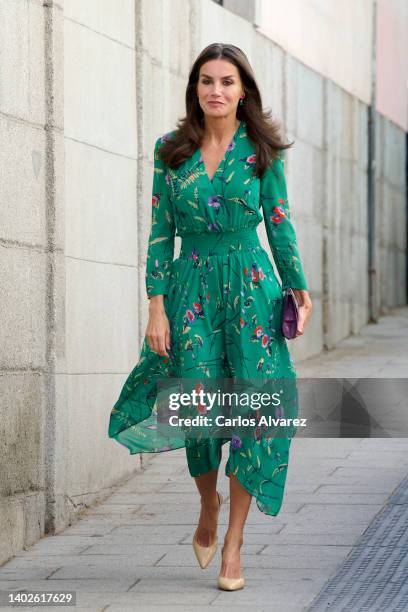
264 131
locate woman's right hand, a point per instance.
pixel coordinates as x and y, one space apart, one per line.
158 327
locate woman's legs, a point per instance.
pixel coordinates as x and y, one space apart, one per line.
203 462
203 458
207 524
240 502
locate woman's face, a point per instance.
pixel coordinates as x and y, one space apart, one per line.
219 81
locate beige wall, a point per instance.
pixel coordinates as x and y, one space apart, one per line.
335 40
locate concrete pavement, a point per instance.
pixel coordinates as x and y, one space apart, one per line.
134 550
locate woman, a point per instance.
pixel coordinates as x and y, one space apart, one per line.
215 310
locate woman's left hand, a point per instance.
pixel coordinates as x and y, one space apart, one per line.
305 309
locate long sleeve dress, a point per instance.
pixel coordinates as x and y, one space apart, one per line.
223 301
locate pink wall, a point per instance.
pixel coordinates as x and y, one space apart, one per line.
392 61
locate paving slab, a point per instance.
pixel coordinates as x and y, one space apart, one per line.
374 575
339 542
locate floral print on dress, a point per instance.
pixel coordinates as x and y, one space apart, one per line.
186 201
223 301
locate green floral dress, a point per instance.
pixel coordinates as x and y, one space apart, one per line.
223 301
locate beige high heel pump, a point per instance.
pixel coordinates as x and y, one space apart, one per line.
230 584
205 554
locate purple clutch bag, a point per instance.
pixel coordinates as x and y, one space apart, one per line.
290 314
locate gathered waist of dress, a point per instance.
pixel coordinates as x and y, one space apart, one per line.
206 244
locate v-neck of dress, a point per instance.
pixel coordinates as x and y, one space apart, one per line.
201 158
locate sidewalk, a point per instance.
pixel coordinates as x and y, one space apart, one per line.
134 551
